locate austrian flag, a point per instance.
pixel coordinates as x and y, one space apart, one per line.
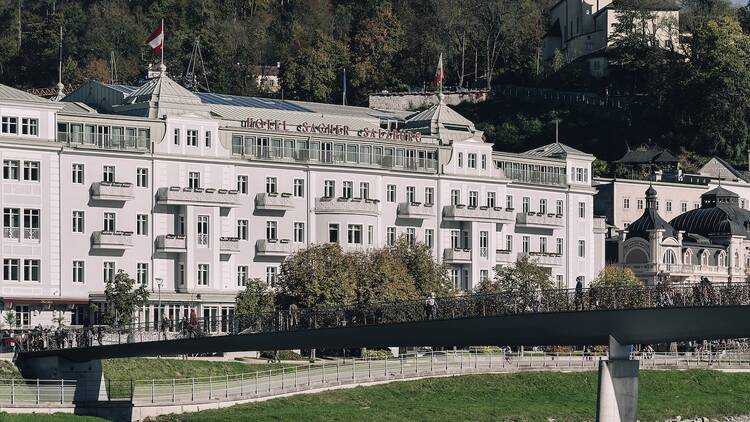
439 74
156 40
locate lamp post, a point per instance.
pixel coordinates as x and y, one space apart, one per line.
159 282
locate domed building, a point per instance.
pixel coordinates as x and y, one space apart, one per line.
711 241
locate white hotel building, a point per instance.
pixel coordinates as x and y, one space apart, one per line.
199 191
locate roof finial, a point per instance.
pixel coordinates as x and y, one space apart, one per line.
60 85
557 131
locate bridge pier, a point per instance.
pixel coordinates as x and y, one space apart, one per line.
617 399
88 375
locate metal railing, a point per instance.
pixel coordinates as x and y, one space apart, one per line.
33 234
104 141
11 232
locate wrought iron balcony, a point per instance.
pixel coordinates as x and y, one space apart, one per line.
171 243
112 240
273 201
176 195
415 210
111 191
483 213
229 245
346 206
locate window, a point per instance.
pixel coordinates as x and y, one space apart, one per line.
271 185
390 236
460 159
484 161
526 243
192 138
370 234
203 230
582 209
473 199
78 174
669 206
509 202
203 274
29 126
11 169
271 230
543 245
194 180
364 190
456 278
683 206
429 195
472 161
455 239
639 204
411 235
455 197
242 184
78 222
141 272
271 275
411 194
31 224
348 188
526 204
11 269
390 193
177 136
560 282
299 232
626 203
241 275
110 222
484 275
10 125
354 234
582 248
329 188
669 257
559 246
23 316
242 226
333 233
108 174
79 271
559 207
508 242
483 244
141 225
429 238
11 223
491 200
299 188
109 272
208 139
31 171
181 274
543 206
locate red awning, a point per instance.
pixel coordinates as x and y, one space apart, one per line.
45 301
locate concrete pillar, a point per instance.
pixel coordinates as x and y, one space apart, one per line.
617 399
89 377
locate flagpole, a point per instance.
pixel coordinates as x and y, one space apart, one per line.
163 39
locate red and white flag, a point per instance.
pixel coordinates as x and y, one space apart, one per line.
439 73
156 39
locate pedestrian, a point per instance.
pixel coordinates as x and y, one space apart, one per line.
99 335
431 306
579 294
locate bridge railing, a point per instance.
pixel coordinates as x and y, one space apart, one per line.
512 302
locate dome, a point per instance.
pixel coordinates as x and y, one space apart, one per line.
650 220
721 219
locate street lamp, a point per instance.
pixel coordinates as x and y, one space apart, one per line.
159 283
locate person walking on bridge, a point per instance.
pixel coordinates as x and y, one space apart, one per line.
579 294
431 306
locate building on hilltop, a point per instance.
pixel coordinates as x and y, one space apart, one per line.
584 29
197 192
710 241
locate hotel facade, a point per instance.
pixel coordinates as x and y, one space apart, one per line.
193 193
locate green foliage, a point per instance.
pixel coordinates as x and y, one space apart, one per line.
257 297
283 355
524 279
122 299
429 276
616 276
378 354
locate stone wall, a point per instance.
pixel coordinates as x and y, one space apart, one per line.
410 101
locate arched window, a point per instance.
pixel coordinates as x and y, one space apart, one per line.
736 262
721 259
704 258
687 257
669 257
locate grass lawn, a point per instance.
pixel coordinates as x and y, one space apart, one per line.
522 397
57 417
8 370
146 369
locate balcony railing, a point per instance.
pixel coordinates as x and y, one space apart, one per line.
543 258
176 195
319 156
535 177
202 239
111 191
229 245
112 240
680 269
415 210
171 243
273 201
93 140
273 247
11 232
32 234
483 213
505 256
532 219
346 206
456 256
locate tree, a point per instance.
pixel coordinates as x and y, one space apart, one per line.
382 277
257 298
616 276
429 275
122 299
320 275
522 284
616 286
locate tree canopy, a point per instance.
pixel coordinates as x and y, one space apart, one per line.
122 300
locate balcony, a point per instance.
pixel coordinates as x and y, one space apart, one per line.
539 220
457 256
504 256
171 243
12 233
483 214
415 210
112 240
111 191
544 258
273 247
273 201
347 206
176 195
229 245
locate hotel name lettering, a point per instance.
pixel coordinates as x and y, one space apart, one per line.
331 129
